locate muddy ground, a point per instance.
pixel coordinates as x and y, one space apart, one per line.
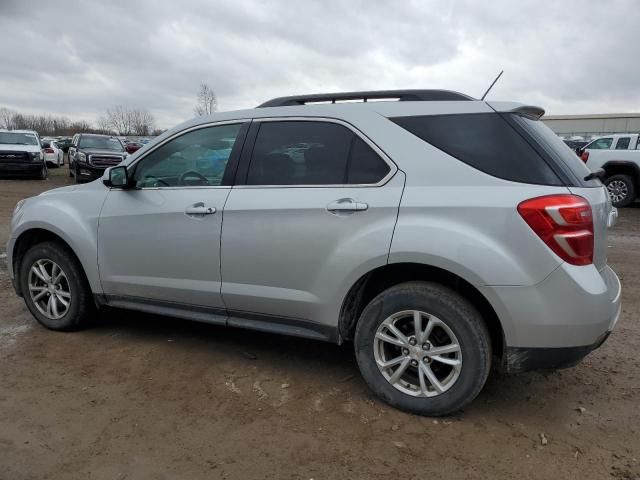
146 397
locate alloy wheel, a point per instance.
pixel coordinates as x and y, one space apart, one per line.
618 190
417 353
49 289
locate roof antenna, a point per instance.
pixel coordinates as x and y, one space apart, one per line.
492 84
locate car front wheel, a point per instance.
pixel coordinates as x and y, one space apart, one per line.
54 287
423 348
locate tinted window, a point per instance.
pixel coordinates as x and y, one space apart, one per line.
600 144
197 158
539 134
312 153
622 143
484 141
365 165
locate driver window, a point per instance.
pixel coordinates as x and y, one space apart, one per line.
197 158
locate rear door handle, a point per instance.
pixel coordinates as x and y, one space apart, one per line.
347 205
200 209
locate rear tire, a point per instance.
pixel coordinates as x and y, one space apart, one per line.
71 287
430 386
622 190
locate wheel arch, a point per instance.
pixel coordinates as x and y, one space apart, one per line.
35 235
379 279
621 167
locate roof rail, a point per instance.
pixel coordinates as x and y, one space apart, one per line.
399 95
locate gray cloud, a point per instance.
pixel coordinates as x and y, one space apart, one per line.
78 58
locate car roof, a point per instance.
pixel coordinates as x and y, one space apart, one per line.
18 131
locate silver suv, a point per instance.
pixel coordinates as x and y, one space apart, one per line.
441 234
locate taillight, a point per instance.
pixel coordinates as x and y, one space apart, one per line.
585 156
564 223
48 150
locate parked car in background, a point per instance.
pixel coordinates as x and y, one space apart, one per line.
53 155
21 154
64 143
132 147
90 154
575 144
336 228
619 156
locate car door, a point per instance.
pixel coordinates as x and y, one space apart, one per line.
317 204
159 241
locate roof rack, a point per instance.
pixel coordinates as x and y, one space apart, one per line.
398 95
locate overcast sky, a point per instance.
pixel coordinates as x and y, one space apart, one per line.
78 58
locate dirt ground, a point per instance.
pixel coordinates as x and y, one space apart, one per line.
146 397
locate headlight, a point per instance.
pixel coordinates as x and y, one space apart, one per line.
36 156
82 157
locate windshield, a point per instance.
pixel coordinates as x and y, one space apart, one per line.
102 143
15 138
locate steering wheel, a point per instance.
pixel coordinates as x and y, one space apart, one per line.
193 173
156 179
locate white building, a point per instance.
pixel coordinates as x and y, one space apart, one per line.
588 126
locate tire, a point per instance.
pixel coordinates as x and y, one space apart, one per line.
465 329
76 174
80 309
621 189
44 172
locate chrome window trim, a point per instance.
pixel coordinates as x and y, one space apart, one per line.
393 168
179 134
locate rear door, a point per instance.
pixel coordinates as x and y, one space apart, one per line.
313 200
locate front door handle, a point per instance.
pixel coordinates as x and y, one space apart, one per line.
347 205
199 209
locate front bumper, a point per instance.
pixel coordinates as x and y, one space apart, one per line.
20 168
88 172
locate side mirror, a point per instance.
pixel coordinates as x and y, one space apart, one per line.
116 177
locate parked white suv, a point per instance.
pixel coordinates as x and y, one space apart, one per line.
21 154
619 156
441 234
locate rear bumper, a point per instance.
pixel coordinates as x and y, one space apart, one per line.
519 359
557 322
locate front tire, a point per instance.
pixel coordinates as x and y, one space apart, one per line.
44 172
621 189
423 348
54 287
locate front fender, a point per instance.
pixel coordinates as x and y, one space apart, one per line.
72 216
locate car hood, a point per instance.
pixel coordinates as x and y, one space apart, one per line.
84 187
96 151
19 148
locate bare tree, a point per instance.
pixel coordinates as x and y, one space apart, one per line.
127 121
6 118
206 102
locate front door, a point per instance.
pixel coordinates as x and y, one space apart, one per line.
160 241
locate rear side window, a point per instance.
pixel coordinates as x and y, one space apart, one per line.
312 153
623 143
484 141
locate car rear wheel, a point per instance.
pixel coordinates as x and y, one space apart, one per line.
621 189
423 348
54 287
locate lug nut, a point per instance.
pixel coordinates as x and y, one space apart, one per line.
426 346
414 363
426 360
412 341
405 351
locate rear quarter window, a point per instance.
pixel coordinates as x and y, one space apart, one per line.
485 141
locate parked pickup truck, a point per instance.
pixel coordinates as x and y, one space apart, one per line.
619 156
